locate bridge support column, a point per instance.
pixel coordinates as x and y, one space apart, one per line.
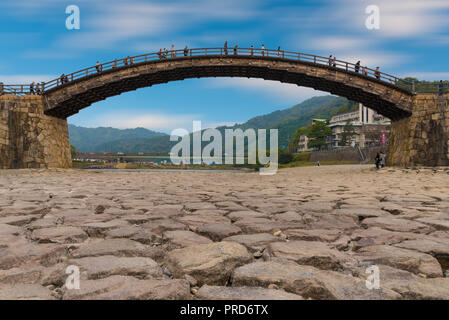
423 138
30 139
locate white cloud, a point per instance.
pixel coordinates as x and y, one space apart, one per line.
153 121
429 76
353 49
136 20
25 78
134 119
289 93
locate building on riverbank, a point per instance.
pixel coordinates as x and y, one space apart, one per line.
368 128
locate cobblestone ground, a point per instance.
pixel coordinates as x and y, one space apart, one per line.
304 233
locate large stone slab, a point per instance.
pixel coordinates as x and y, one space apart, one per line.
59 235
313 253
105 266
129 288
25 292
307 281
208 263
254 242
396 224
100 229
409 260
184 238
207 292
218 231
116 247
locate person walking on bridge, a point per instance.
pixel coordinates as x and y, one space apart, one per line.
377 73
279 51
226 48
251 50
32 88
441 88
334 62
98 66
186 51
235 49
365 71
37 88
357 67
172 51
263 51
330 60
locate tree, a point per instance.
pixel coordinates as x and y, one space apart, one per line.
284 156
73 151
347 134
293 144
318 134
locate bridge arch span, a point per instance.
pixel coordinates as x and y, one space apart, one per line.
81 89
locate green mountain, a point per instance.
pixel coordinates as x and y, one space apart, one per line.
287 121
159 144
100 139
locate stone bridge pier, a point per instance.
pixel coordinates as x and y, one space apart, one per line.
423 138
29 138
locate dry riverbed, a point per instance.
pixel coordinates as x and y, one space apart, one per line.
304 233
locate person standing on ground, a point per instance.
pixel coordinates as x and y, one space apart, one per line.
377 159
382 159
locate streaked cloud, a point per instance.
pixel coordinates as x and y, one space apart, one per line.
290 93
138 118
25 78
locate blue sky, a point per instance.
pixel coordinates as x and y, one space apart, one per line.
413 40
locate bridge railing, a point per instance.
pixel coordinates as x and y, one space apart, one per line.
182 53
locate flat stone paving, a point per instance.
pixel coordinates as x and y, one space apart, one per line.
304 233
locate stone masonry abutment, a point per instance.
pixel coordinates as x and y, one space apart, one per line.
29 138
423 138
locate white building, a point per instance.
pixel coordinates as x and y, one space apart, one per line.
369 126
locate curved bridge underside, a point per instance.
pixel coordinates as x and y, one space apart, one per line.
387 99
